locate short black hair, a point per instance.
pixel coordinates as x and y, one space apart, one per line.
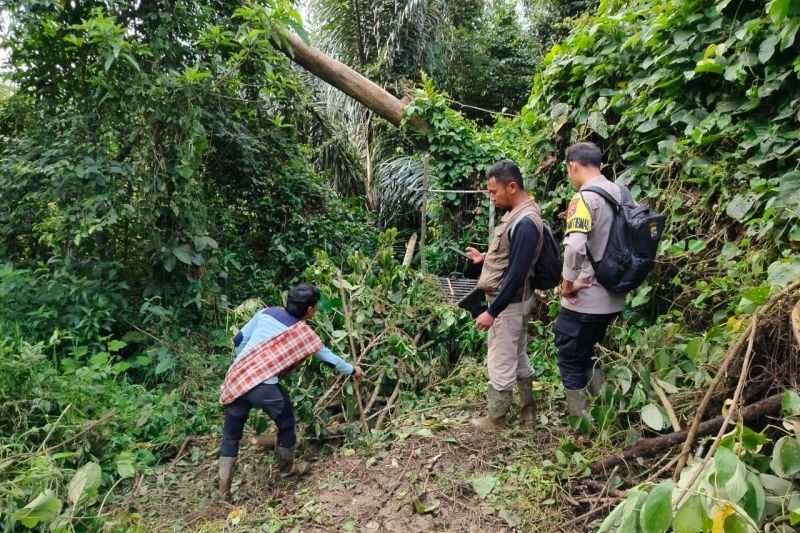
505 172
587 154
301 297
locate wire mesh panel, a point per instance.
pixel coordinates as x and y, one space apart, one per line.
462 292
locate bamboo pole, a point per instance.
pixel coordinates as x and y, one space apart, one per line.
424 213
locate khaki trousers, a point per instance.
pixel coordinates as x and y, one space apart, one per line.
508 346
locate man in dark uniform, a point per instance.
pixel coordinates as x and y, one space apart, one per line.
587 308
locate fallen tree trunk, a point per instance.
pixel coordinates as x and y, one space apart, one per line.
651 446
348 81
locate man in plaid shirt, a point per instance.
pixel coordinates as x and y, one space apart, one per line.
270 345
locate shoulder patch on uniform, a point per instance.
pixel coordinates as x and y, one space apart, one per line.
579 218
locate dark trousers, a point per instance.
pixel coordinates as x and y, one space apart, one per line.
274 401
576 335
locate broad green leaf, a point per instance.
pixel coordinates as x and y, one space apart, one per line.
740 205
598 124
84 484
754 498
778 10
125 466
775 485
786 457
757 295
185 171
559 110
693 348
201 242
790 403
484 485
45 507
789 192
116 345
726 464
166 363
651 415
789 33
709 65
794 517
696 246
625 516
690 518
767 48
624 377
784 271
656 513
648 125
184 253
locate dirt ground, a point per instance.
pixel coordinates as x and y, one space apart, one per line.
424 474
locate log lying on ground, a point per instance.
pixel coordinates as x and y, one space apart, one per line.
651 446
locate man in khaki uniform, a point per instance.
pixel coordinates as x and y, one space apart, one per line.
505 280
587 308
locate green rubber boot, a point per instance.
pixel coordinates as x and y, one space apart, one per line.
227 465
287 467
577 404
595 378
499 405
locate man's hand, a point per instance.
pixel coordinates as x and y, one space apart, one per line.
475 257
569 289
357 373
484 321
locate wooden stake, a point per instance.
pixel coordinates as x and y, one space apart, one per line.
412 243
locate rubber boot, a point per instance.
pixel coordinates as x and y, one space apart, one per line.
595 378
577 404
226 467
527 410
499 405
286 465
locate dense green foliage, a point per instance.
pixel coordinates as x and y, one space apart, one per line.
175 166
741 489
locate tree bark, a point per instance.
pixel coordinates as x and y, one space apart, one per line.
651 446
348 81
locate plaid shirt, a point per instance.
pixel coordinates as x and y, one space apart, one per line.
271 357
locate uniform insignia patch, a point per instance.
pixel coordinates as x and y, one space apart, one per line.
579 218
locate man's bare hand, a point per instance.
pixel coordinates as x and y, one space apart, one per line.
357 373
475 257
569 289
484 321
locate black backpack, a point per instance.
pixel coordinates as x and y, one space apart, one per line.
545 272
632 244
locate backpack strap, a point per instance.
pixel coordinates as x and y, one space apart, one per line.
625 193
537 221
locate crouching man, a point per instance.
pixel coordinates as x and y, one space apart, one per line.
272 343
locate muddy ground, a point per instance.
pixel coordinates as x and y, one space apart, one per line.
428 472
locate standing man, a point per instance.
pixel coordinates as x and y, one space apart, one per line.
272 343
587 308
505 280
